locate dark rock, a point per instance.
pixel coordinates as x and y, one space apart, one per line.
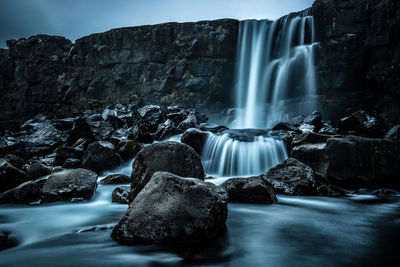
6 242
195 138
11 176
360 161
174 209
394 133
192 121
65 152
169 156
100 156
72 163
121 194
128 149
165 130
66 185
25 193
292 177
38 170
309 137
15 160
150 117
314 119
311 154
64 124
250 190
286 127
210 127
116 179
360 122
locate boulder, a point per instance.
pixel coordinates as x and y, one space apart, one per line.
292 177
174 209
314 119
360 122
286 126
168 156
195 138
394 134
150 117
191 121
210 127
65 152
37 170
10 176
165 130
72 163
67 185
250 190
116 179
100 156
311 154
361 161
25 193
121 194
128 149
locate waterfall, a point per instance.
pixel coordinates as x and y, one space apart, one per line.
275 80
275 75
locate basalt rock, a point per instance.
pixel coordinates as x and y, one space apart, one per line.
38 170
128 149
67 185
168 156
174 209
195 138
121 194
25 193
100 156
11 176
250 190
116 179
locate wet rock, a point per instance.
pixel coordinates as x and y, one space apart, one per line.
10 176
72 163
128 149
286 127
66 185
213 128
116 179
165 130
311 154
360 122
169 156
121 194
176 114
309 137
65 124
6 241
65 152
191 121
361 161
150 116
15 160
25 193
100 156
37 170
292 177
394 134
174 209
195 138
250 190
314 119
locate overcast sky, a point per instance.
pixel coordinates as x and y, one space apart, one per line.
76 18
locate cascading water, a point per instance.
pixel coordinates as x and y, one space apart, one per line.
275 80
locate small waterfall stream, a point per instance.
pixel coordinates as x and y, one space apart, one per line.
275 80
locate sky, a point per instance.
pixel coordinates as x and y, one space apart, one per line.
77 18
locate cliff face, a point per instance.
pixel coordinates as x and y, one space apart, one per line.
192 64
358 63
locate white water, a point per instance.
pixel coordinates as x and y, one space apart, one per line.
275 80
275 77
225 156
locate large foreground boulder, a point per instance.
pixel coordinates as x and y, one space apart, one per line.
25 193
100 156
174 209
10 176
167 156
70 184
250 190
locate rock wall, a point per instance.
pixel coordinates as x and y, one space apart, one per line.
189 64
358 63
192 64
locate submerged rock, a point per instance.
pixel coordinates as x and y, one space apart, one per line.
25 193
250 190
100 156
168 156
116 179
6 241
66 185
174 209
10 176
121 194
